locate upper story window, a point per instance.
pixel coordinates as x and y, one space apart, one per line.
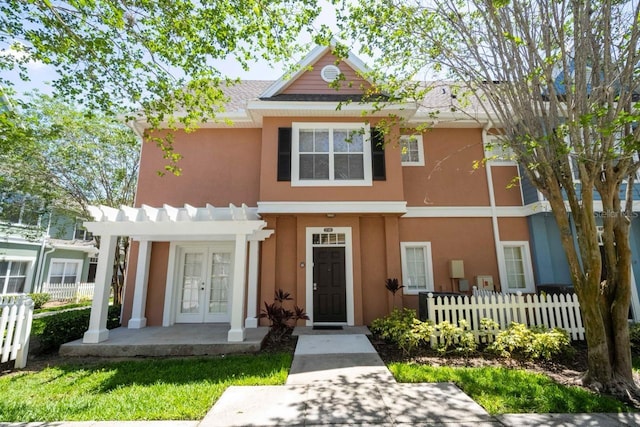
330 154
496 150
412 150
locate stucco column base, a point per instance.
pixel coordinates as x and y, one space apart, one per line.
94 337
251 322
137 323
235 335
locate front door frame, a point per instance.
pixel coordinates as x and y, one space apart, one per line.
348 266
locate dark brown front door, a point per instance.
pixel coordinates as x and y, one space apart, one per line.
330 288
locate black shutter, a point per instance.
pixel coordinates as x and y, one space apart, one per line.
377 155
284 154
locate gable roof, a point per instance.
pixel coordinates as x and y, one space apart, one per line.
318 52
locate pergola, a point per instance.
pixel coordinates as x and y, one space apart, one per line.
147 224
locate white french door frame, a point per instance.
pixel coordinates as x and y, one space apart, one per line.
348 266
175 271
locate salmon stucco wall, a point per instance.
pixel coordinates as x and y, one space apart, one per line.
467 239
448 177
311 82
289 252
515 229
219 166
157 283
506 185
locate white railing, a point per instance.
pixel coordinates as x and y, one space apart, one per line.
552 311
15 327
69 291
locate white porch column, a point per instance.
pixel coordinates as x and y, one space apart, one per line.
236 332
138 319
98 331
252 286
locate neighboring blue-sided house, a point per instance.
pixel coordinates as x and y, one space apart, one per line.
51 247
551 268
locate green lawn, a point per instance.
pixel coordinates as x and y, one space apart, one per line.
504 391
169 389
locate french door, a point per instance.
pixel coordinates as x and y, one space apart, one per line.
205 278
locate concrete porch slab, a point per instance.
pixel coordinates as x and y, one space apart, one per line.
178 340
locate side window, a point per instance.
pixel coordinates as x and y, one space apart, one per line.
412 150
417 267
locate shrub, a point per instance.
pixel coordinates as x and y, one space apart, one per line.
402 328
282 319
457 339
55 330
39 300
534 343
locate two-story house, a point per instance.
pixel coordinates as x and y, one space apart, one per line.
42 247
303 192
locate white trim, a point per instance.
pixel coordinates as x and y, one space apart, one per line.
168 313
426 246
331 207
66 261
473 211
420 147
296 181
206 248
527 266
348 268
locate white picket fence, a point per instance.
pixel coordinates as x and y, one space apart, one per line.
69 291
552 311
15 327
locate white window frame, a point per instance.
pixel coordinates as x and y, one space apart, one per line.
428 266
29 273
498 154
405 139
66 261
527 267
331 182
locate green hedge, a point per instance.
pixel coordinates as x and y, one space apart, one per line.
55 330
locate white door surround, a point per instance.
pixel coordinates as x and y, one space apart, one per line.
202 282
348 245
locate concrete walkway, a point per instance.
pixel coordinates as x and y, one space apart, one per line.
340 380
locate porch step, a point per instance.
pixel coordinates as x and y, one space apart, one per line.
346 330
176 340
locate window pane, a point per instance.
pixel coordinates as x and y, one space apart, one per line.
71 268
306 141
514 264
321 141
348 166
314 166
409 150
340 143
16 285
416 268
57 268
357 142
18 268
4 266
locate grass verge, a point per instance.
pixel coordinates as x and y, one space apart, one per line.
508 391
169 389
